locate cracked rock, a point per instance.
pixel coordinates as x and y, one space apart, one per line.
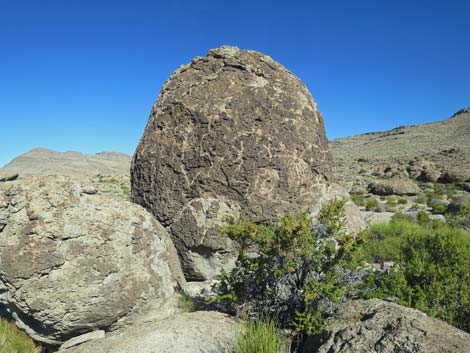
377 326
234 125
72 263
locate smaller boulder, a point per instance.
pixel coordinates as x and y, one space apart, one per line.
455 175
377 326
455 206
429 176
8 177
394 187
202 331
204 253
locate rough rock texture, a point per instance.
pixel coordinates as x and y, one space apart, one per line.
394 187
74 261
376 326
204 252
199 332
237 126
456 175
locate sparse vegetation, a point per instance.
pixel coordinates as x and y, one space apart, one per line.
432 271
372 205
186 303
358 199
260 336
13 340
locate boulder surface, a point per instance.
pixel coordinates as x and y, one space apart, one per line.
73 261
377 326
237 126
198 332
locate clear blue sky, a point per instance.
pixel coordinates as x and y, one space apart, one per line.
83 75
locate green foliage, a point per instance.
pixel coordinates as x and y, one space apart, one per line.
13 340
439 208
460 220
297 266
186 303
358 199
260 336
372 204
402 201
432 272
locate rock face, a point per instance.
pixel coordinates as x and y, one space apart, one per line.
199 332
74 261
373 326
202 250
236 126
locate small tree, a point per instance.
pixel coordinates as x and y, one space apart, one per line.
291 269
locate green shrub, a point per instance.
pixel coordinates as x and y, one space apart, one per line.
402 201
261 336
297 268
433 272
439 208
372 204
186 303
358 199
13 340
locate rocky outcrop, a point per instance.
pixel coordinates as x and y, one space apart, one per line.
394 187
199 332
236 126
376 326
73 260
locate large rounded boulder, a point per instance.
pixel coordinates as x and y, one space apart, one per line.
73 260
234 125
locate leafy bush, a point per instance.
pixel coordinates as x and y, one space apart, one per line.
299 271
261 336
433 272
13 340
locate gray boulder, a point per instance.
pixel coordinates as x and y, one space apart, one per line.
355 221
198 332
234 125
394 187
74 261
455 175
457 205
376 326
203 251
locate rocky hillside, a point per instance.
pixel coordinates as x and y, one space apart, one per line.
42 161
446 144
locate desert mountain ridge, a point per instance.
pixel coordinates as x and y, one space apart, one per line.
43 161
445 143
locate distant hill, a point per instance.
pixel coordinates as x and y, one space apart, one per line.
42 161
445 143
